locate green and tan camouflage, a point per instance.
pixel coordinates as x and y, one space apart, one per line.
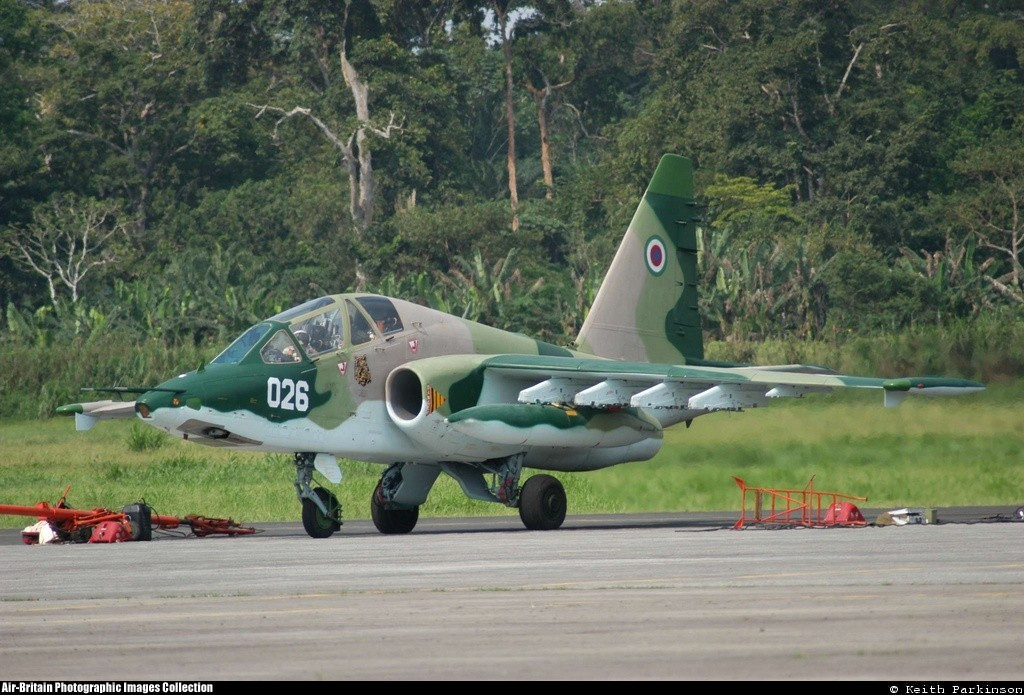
646 308
371 378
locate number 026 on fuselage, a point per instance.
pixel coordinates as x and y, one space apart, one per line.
383 380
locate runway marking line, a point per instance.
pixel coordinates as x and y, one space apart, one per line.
61 607
845 570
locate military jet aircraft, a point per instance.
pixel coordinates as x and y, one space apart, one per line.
383 380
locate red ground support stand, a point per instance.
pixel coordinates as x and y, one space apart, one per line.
70 522
807 507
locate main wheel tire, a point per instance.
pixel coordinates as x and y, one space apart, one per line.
313 520
542 503
392 521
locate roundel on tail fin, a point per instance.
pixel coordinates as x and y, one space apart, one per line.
654 254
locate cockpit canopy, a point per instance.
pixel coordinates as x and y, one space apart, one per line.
320 327
320 333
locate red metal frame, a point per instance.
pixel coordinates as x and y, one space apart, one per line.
789 507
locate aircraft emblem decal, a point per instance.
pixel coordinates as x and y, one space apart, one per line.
362 371
655 256
434 399
414 344
342 366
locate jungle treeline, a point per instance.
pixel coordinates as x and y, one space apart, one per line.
172 171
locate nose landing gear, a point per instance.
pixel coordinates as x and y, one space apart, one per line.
321 510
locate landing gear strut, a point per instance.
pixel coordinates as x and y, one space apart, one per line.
321 511
541 501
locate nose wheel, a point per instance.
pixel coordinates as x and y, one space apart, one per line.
317 523
321 510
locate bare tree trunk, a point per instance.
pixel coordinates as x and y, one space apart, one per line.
360 159
1016 234
355 151
540 97
510 112
66 241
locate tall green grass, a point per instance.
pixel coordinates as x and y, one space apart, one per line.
927 452
106 468
35 379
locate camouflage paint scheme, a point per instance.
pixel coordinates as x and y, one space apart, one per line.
639 312
427 391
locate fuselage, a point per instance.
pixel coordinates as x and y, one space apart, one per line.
375 379
316 379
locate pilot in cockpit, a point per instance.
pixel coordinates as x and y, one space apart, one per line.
290 353
318 340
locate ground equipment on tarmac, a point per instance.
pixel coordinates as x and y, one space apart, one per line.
789 507
135 522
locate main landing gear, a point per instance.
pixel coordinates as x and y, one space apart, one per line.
541 500
542 503
395 502
390 520
396 499
321 511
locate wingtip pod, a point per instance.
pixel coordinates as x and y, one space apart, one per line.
83 421
896 390
87 414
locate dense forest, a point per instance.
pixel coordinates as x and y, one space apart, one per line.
172 171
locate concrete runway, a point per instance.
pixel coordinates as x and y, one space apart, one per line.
631 597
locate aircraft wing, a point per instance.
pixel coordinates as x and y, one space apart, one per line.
613 384
88 414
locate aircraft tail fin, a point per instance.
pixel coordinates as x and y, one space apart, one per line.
646 308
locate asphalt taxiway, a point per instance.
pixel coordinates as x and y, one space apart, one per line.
648 596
